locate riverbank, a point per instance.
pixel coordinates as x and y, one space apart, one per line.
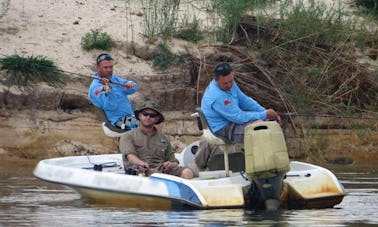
52 122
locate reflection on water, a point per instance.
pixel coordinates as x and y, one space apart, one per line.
27 201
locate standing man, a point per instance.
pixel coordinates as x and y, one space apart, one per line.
148 148
110 93
227 109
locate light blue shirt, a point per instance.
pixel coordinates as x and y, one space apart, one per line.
115 102
223 107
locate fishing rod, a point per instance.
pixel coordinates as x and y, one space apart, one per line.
325 116
79 74
90 77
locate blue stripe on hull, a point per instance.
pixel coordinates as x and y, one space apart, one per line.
179 190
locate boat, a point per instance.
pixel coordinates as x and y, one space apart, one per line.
102 179
260 177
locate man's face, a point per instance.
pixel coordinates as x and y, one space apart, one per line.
226 82
148 117
105 68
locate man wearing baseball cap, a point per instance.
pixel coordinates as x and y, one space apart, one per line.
227 109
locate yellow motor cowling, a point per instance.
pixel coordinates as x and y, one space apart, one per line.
265 150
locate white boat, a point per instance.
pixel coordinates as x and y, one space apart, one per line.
261 177
102 179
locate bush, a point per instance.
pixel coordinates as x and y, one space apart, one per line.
165 58
370 5
24 72
190 32
96 39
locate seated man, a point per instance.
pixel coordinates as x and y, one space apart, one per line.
110 93
227 109
147 148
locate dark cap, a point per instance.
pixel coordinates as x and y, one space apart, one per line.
150 105
222 69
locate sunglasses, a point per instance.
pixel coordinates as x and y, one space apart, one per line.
151 115
103 57
223 69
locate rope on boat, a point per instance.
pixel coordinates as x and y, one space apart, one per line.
99 167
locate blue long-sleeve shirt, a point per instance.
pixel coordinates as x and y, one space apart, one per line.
223 107
115 102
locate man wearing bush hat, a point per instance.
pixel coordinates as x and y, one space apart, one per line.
147 149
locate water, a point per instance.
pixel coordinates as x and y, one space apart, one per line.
27 201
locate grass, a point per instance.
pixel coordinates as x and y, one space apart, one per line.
96 39
160 18
368 6
25 72
190 32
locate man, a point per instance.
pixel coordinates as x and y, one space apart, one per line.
110 93
147 148
227 109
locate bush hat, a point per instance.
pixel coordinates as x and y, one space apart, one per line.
150 105
222 69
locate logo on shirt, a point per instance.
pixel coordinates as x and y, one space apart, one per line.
97 92
226 102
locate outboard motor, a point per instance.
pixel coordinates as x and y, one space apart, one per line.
266 163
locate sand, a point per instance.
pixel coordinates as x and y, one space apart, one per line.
54 29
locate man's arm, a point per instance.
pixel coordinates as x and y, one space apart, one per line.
234 114
143 166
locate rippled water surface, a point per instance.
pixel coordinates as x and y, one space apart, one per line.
27 201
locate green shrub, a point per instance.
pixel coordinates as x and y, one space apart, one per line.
96 39
24 72
370 6
190 32
165 58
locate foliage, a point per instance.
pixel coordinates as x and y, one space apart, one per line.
96 39
25 72
370 6
313 22
190 32
160 18
165 58
231 12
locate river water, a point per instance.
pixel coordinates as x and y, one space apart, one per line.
27 201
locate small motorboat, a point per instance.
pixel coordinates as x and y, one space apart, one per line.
266 180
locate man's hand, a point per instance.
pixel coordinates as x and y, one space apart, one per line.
105 81
272 115
143 167
167 166
129 85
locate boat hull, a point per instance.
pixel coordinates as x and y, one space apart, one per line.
162 191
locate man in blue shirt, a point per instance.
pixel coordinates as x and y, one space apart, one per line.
110 92
227 109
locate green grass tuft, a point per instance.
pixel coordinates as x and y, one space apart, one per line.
25 72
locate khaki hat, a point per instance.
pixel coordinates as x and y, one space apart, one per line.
150 105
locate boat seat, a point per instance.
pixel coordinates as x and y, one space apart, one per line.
224 143
209 135
109 129
235 160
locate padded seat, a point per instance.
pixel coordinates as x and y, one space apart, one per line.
209 135
109 129
225 144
